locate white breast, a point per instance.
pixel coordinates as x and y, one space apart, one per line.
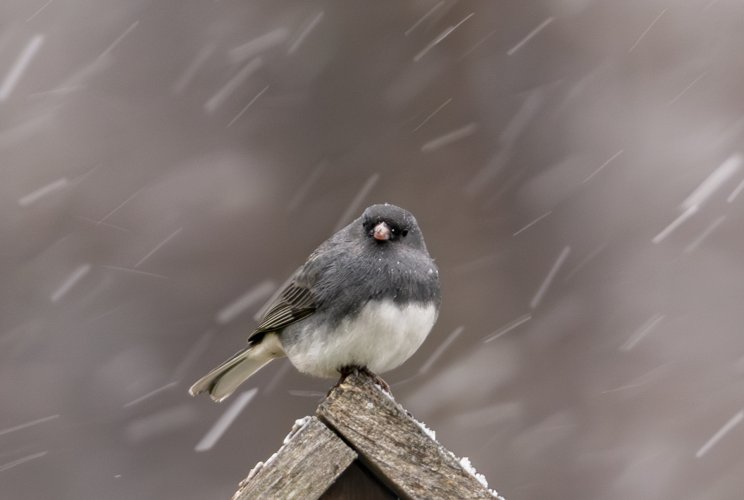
381 338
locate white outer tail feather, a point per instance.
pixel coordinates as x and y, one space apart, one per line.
225 379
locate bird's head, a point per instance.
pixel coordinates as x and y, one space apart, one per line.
390 225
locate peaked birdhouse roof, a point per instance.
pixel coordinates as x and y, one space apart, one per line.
362 444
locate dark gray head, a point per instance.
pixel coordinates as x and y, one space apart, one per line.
390 225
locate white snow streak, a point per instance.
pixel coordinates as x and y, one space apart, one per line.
70 282
20 65
713 182
225 420
20 461
508 327
530 36
440 350
248 299
36 195
644 330
158 247
305 32
358 199
449 138
549 278
232 85
675 224
645 32
444 34
733 422
28 424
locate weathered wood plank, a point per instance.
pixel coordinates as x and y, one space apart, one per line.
304 468
393 445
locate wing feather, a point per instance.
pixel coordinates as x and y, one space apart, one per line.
296 302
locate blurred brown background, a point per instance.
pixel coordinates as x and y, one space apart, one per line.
166 165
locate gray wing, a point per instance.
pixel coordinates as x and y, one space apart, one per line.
294 303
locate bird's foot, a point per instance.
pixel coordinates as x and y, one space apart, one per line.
378 380
348 370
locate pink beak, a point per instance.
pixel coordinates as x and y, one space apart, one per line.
382 232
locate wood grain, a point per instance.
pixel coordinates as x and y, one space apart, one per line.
304 468
391 443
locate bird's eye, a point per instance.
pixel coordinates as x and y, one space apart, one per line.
404 232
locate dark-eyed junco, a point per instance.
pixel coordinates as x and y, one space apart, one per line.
366 298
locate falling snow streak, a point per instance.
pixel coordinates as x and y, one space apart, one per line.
733 422
431 115
639 381
645 32
193 354
585 261
77 79
136 271
20 65
23 460
684 90
508 327
70 282
104 224
121 205
424 18
735 192
507 138
39 10
190 72
602 166
245 108
530 36
549 278
353 207
119 39
644 330
302 192
158 247
533 222
248 299
309 27
449 138
30 423
258 45
42 192
444 34
150 394
706 232
280 374
160 423
478 44
232 85
675 224
713 182
440 350
225 420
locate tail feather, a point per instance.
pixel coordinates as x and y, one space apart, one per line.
225 379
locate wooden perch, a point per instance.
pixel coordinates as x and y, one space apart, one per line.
361 444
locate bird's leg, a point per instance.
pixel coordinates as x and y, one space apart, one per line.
378 380
345 371
348 370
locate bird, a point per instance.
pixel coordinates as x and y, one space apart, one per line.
365 299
